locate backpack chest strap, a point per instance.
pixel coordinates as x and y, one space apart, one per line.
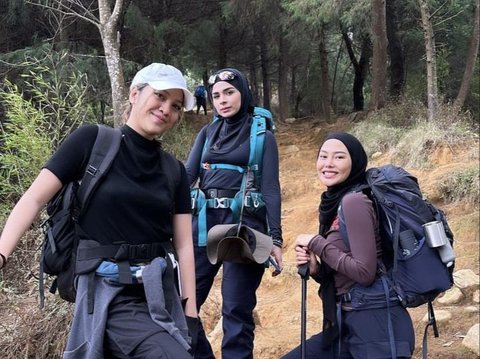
222 166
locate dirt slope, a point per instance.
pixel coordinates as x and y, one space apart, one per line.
279 298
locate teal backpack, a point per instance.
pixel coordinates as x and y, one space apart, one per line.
249 197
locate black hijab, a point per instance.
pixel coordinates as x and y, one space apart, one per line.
236 129
331 198
330 201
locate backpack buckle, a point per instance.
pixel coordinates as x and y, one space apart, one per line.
251 201
220 202
91 170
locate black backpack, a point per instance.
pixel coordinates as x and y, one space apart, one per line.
416 266
60 228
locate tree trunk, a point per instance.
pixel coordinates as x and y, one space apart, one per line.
432 86
335 71
395 51
360 69
325 81
471 60
293 90
222 48
109 20
282 78
360 75
264 68
379 60
253 73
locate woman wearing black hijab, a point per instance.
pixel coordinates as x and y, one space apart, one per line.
348 331
227 141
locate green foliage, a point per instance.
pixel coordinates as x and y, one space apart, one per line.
383 129
180 139
61 99
25 146
42 57
311 11
377 135
404 133
38 117
462 185
138 28
198 57
417 144
355 15
443 70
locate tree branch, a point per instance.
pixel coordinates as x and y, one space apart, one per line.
62 8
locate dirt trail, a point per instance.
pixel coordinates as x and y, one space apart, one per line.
279 298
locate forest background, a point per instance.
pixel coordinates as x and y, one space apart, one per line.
395 66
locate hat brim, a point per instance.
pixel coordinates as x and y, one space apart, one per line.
188 98
223 246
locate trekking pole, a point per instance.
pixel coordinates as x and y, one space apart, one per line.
304 274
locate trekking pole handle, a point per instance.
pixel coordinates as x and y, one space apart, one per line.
304 271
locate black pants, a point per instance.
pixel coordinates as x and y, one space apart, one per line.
201 102
131 333
364 335
239 287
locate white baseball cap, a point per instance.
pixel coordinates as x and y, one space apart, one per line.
164 77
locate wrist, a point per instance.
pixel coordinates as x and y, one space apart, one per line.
277 242
3 260
311 242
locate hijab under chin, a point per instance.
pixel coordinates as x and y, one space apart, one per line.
331 198
236 129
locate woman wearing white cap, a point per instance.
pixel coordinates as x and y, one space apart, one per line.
140 202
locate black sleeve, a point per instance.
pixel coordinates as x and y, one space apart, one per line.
194 157
70 159
271 187
182 196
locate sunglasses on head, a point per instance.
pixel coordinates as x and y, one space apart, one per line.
222 76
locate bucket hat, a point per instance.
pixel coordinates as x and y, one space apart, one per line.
164 77
226 243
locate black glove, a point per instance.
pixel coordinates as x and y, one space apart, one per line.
192 325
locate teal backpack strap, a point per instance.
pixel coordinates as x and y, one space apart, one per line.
199 205
257 141
224 166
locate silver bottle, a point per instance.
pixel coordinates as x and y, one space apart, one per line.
436 238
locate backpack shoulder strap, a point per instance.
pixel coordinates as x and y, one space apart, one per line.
257 142
365 189
105 148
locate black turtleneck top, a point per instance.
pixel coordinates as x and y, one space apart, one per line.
133 203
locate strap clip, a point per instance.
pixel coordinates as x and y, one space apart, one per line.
220 202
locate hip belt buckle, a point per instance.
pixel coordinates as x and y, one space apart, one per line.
138 274
220 202
251 201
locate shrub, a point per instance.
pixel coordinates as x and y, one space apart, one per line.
25 147
462 185
38 117
180 139
403 131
